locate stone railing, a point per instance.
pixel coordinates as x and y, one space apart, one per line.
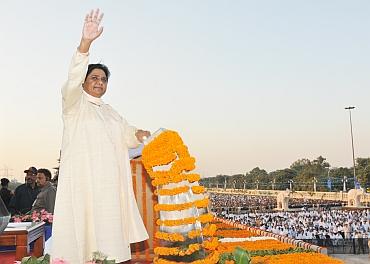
334 196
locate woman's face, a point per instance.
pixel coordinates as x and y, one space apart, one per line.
96 83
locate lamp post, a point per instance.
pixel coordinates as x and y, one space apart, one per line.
349 108
329 180
314 183
290 185
344 180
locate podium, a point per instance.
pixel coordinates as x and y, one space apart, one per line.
145 198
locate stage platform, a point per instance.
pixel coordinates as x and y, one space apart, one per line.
9 258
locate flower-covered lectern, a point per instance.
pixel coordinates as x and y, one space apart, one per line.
185 233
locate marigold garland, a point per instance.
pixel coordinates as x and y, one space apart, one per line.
198 189
210 259
204 218
163 150
193 177
177 167
169 149
211 244
184 164
160 174
234 233
177 222
224 226
178 207
175 178
182 189
301 258
254 245
164 158
173 237
176 251
207 231
174 191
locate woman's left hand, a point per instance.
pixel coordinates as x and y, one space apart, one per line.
141 135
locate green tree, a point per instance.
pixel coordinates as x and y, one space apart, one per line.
363 171
259 176
238 180
220 179
299 165
321 162
308 170
282 177
337 175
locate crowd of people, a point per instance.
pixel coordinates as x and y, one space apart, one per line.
36 194
315 224
253 203
320 222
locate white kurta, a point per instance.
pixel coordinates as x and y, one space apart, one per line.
95 206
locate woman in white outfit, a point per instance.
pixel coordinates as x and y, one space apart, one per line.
95 206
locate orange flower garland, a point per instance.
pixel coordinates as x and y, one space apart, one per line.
210 259
198 189
177 222
174 191
163 150
254 245
174 237
211 244
175 178
234 233
181 189
176 251
178 207
223 225
193 177
185 164
169 149
205 218
301 258
207 231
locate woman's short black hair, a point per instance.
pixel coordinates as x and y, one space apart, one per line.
100 66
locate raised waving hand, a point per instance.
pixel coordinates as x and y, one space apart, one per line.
91 29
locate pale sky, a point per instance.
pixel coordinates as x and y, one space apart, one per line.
245 83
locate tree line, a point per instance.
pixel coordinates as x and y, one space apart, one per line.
302 174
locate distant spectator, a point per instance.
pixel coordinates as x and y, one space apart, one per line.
25 194
5 193
46 197
359 240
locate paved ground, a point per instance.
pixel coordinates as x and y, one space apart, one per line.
353 259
